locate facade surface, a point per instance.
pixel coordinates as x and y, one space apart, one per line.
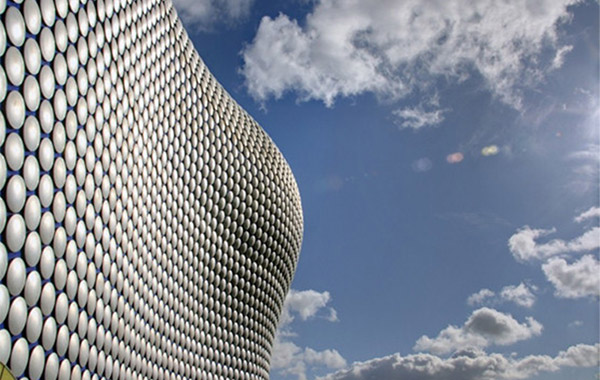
150 228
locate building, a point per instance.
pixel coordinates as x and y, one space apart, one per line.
150 227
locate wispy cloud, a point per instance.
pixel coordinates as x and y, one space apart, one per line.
591 153
390 48
576 323
484 327
586 168
289 359
417 117
472 364
591 213
481 297
522 295
559 58
203 14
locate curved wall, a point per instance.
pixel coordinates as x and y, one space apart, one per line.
150 228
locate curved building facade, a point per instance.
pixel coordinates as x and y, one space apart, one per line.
150 227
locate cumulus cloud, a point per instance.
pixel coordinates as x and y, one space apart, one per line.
289 359
520 294
571 280
576 280
472 364
524 247
204 13
484 327
306 304
390 48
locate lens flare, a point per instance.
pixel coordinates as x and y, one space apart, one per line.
455 158
490 150
422 165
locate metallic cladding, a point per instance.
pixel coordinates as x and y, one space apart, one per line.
150 227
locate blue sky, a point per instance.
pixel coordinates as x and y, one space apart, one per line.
447 155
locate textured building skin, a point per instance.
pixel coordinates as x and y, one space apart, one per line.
150 228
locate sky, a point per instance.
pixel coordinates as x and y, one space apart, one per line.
447 154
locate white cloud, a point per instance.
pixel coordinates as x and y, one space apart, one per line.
559 58
571 280
589 153
284 354
284 57
480 297
577 280
332 317
593 212
470 364
329 358
305 304
524 247
204 13
288 359
484 327
417 117
520 294
576 323
586 162
389 48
